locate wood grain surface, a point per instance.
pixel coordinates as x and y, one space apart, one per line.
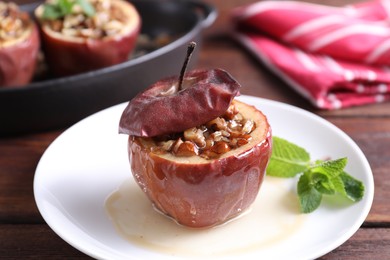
25 235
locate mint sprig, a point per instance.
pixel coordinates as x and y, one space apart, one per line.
61 8
287 159
316 179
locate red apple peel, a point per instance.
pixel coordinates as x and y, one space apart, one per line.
18 59
206 95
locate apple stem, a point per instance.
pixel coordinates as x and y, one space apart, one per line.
190 50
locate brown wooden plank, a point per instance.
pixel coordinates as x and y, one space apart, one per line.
365 244
372 135
19 157
34 241
38 241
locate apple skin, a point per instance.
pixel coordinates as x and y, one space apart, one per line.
207 94
67 56
202 193
18 59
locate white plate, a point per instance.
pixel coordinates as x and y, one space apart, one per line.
88 162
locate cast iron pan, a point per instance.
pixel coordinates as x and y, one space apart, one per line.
60 102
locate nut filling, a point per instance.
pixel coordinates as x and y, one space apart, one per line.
210 140
13 22
108 20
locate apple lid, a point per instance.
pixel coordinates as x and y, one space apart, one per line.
168 107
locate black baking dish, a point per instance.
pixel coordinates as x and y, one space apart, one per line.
60 102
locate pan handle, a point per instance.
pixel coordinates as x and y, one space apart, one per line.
208 11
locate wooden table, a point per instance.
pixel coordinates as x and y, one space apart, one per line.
24 234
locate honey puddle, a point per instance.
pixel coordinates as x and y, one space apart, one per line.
273 218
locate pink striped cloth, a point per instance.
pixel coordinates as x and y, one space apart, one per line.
334 56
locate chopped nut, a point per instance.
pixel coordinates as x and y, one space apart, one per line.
220 148
233 124
216 136
163 39
248 126
69 32
176 145
209 143
114 25
108 20
167 145
72 21
231 112
212 139
242 141
238 117
100 19
87 32
195 135
218 123
56 25
187 149
77 9
13 22
225 133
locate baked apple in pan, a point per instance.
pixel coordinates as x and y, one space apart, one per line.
87 34
203 160
19 46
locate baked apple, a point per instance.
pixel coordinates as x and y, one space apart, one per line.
203 160
19 46
84 35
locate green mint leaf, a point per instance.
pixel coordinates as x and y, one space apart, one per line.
51 12
65 6
287 159
324 176
309 197
61 8
338 185
322 183
87 7
354 189
331 168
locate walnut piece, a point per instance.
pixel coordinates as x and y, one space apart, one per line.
210 140
13 22
108 20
